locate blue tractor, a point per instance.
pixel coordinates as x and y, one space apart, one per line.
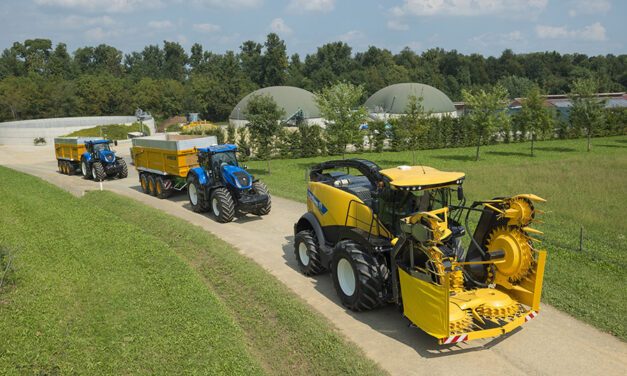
99 162
219 184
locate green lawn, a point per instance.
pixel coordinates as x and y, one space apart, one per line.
586 189
105 285
111 132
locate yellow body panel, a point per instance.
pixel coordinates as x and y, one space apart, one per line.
69 152
409 176
425 304
331 205
170 162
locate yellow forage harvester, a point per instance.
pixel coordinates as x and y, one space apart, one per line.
395 236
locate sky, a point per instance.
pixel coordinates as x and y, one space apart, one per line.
487 27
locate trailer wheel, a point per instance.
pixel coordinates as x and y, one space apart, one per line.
98 172
85 170
71 168
143 181
262 189
196 200
307 253
124 172
222 205
164 187
60 166
152 189
356 277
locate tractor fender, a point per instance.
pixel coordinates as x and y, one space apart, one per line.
201 174
347 233
309 221
86 157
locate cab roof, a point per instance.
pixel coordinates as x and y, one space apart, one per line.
219 148
95 142
416 178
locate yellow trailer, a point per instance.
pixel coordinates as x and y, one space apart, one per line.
163 161
68 151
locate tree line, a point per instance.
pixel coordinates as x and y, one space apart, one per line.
39 79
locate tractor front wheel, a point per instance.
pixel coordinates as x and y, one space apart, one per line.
98 172
356 277
196 199
124 169
85 170
307 253
261 189
222 205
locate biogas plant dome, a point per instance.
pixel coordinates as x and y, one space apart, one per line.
294 101
392 100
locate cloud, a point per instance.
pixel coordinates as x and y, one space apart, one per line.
466 7
161 25
397 25
594 32
499 39
302 6
278 26
100 34
107 6
351 36
206 28
79 22
231 4
589 7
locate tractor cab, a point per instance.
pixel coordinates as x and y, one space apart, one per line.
220 161
96 146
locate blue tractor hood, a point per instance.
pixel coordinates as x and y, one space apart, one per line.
237 177
106 156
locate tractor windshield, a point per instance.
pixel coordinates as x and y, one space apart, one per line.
101 147
225 158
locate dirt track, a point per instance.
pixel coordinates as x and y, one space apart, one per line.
553 343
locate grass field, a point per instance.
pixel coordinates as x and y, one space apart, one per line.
586 189
112 131
105 285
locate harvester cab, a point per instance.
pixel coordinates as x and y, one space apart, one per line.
222 185
396 236
99 161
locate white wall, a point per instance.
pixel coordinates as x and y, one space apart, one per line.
25 131
386 116
242 123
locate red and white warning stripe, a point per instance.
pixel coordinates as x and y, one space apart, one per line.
454 339
531 315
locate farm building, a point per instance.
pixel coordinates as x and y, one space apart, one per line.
297 104
562 102
392 101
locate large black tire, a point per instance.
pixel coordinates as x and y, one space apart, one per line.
307 253
152 185
85 169
143 181
262 189
164 187
71 168
124 172
196 199
98 172
222 205
357 277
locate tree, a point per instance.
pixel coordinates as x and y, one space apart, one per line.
340 105
174 61
274 61
263 116
414 122
250 58
487 111
587 110
535 116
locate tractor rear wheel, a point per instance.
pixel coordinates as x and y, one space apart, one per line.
356 277
124 169
152 185
164 187
222 205
98 172
196 200
85 170
143 181
308 253
262 189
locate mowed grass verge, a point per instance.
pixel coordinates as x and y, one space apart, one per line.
583 189
106 285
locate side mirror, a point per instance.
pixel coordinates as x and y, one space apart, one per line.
460 193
